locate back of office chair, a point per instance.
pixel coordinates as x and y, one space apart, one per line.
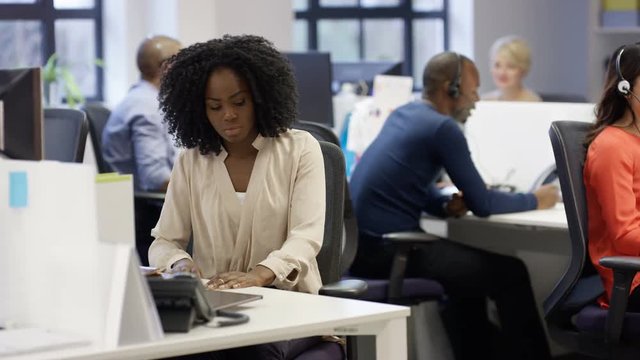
65 135
330 253
97 114
568 98
567 140
350 241
318 131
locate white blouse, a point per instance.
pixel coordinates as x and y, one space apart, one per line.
280 225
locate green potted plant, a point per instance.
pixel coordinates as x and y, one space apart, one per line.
60 83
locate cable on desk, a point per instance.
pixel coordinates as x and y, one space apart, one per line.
235 318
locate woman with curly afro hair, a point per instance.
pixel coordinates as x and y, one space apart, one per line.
247 188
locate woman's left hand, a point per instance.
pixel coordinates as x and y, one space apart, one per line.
260 276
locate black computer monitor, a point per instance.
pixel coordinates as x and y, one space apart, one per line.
21 96
363 71
313 77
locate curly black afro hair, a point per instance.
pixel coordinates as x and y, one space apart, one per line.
255 59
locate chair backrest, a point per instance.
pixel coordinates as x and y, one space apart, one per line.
557 97
330 253
350 238
569 98
567 140
65 134
97 114
318 131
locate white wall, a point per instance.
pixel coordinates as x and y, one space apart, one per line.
127 23
461 27
556 30
272 19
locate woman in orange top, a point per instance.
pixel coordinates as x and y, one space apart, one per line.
612 169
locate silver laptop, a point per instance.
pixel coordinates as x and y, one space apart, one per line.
218 299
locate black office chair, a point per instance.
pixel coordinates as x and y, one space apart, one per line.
65 135
397 289
331 252
97 114
573 317
557 97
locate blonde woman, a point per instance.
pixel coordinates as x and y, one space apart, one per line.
510 64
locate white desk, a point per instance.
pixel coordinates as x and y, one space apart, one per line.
554 218
280 315
539 237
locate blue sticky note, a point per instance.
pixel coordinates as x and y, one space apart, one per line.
18 189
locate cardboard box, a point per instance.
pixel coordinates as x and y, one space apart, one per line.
620 5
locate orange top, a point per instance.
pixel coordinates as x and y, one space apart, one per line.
612 181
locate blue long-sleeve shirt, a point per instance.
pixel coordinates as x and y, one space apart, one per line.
394 181
136 141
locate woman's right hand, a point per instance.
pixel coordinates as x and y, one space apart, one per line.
185 265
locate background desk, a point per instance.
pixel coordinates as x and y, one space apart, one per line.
540 238
280 315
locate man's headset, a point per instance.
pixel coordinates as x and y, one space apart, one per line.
454 86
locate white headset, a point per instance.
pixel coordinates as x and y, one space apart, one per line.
624 87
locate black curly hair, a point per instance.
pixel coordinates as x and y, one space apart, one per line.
267 72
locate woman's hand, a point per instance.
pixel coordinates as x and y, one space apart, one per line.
185 265
260 276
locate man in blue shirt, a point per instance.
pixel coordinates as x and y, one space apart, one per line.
135 139
394 182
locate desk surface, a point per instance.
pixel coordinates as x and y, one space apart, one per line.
550 218
554 218
278 316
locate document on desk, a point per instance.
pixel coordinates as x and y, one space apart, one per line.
28 340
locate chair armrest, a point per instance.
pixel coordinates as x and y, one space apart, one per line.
410 236
624 270
403 242
149 195
350 289
622 263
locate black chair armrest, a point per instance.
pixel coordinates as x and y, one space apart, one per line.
149 195
622 263
624 269
410 236
403 242
349 289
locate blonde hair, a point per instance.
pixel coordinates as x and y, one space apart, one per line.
515 48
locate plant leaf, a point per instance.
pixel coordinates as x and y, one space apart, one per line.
51 69
74 95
